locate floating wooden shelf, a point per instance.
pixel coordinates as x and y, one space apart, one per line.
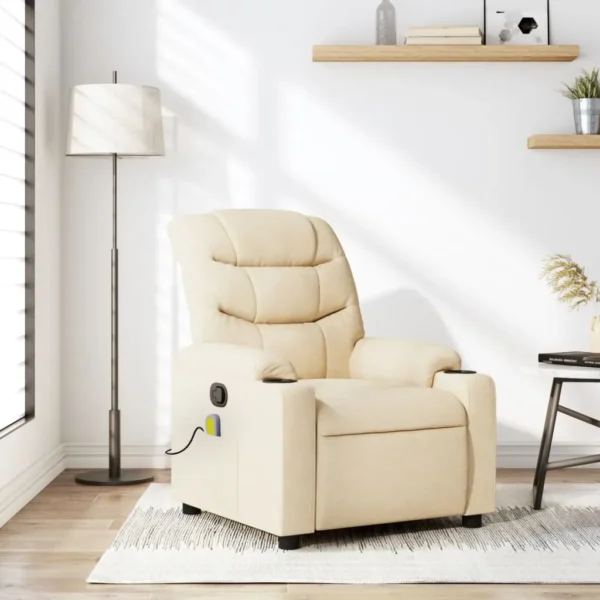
445 53
564 142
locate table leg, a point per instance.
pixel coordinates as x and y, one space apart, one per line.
544 436
539 480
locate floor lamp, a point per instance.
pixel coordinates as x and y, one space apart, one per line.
115 120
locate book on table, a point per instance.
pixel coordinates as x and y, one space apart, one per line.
443 41
572 359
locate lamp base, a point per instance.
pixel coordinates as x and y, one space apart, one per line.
126 477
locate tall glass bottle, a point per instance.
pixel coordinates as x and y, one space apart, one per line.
386 24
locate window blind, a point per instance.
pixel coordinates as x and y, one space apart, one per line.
16 210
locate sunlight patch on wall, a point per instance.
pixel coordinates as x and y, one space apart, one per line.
204 66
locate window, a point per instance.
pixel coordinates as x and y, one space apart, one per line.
16 211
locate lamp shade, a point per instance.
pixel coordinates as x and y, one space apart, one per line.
115 118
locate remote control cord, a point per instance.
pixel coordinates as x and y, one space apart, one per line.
170 450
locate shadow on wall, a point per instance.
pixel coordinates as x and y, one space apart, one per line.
506 432
405 314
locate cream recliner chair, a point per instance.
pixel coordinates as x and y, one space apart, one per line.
374 430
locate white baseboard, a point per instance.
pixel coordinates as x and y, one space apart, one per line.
524 456
94 456
23 488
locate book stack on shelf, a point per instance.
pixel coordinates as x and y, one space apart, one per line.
573 359
468 35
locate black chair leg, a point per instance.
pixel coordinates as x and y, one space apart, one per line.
289 542
190 510
472 521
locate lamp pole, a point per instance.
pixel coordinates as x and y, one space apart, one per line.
114 451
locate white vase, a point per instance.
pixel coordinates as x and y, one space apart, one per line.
595 335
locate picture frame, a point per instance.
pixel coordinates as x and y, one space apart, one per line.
516 22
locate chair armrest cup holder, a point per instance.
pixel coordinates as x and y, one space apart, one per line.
458 372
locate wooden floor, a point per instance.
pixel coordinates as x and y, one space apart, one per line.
49 548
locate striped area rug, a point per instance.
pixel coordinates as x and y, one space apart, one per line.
560 544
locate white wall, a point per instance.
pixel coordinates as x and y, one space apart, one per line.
33 455
421 168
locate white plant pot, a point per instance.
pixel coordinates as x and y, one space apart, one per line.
595 335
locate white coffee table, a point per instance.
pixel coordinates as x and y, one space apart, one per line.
560 374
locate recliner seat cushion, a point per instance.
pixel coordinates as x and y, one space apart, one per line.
352 407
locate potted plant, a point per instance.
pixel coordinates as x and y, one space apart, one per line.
569 281
585 94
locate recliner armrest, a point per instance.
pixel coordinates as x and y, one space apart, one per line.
262 468
408 362
232 361
477 393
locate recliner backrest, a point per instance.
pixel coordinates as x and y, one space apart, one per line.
270 279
